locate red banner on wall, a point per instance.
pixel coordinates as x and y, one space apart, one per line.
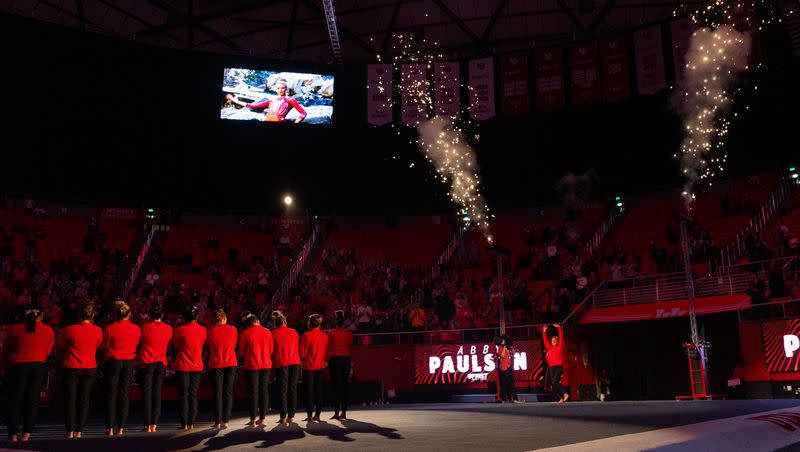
615 69
514 78
681 32
473 363
781 340
584 74
549 68
649 51
379 94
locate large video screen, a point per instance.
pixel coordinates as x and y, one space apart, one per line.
276 96
473 363
781 341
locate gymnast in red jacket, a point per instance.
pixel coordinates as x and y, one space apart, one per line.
276 109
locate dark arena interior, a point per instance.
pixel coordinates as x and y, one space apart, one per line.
563 225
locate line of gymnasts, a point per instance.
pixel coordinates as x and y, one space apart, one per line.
123 345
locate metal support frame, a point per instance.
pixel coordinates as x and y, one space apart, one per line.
333 31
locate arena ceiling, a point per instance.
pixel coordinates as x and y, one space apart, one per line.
296 29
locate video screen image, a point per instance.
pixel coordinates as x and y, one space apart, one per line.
276 96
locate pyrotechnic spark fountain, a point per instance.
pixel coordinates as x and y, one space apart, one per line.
713 63
455 161
442 140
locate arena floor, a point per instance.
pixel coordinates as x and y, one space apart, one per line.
618 426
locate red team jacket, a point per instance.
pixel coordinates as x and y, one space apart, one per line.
120 340
221 342
313 347
25 347
284 352
188 340
255 346
554 353
154 343
78 344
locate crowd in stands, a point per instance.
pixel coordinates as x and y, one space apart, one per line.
546 275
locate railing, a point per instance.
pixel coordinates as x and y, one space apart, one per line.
448 251
600 234
290 278
731 252
138 265
772 310
422 337
667 288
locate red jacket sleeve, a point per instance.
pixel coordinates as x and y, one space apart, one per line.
293 102
263 104
547 344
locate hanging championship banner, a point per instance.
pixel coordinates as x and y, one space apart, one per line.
379 94
413 93
447 78
583 74
615 69
549 65
681 32
481 93
649 52
514 79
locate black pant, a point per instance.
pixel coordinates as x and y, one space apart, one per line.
507 384
25 381
339 367
222 384
152 381
117 374
287 376
554 373
313 380
188 383
77 393
258 391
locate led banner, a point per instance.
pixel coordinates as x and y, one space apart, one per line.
473 363
781 340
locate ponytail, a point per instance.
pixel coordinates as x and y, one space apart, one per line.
340 319
278 318
156 310
86 312
122 310
314 321
31 316
250 320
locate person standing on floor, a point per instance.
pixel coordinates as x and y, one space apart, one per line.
339 364
27 346
78 345
188 341
120 341
221 343
152 356
286 362
255 348
313 347
555 361
505 353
